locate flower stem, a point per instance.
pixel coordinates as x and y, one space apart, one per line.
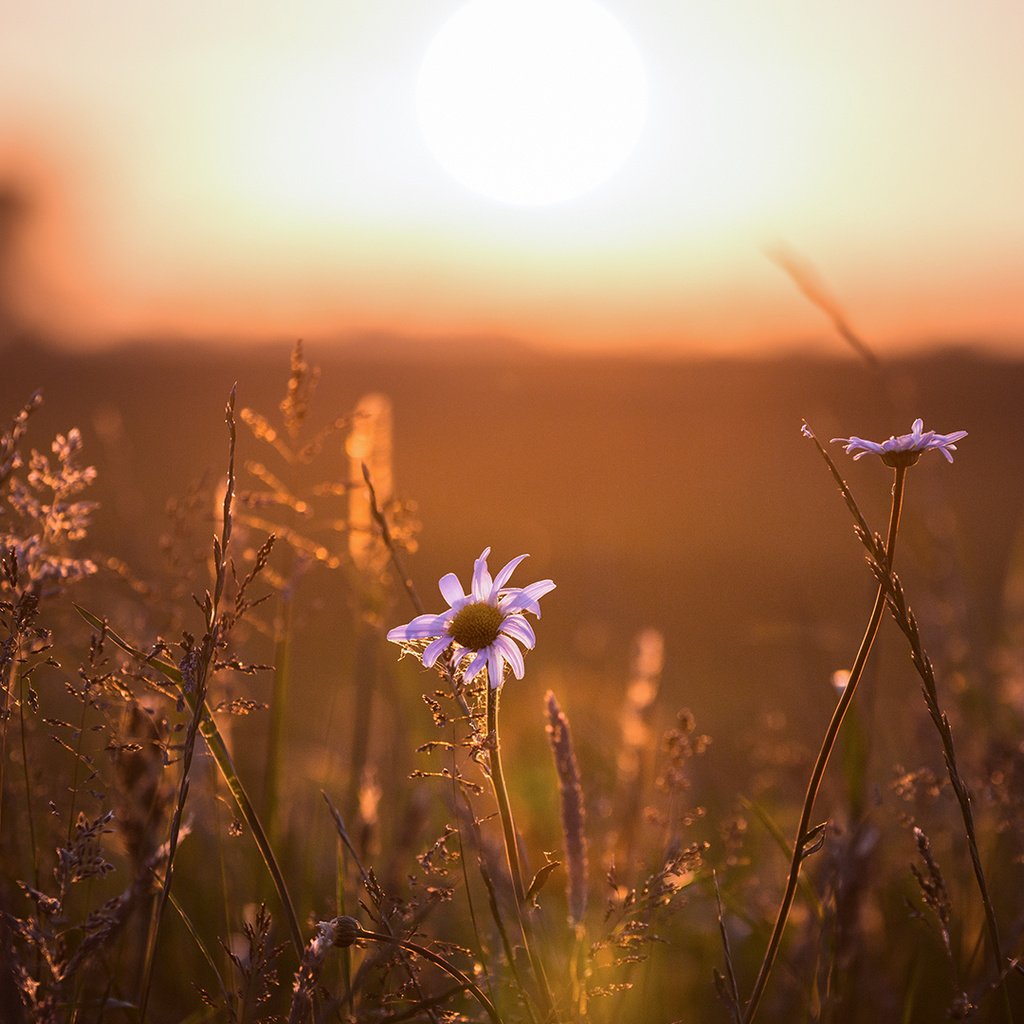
804 832
512 850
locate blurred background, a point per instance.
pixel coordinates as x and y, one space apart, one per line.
762 214
615 381
675 495
248 172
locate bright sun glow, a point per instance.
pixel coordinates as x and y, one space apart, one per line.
532 102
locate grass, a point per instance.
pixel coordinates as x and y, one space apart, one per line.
172 849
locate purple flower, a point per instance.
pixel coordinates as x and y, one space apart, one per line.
906 449
483 625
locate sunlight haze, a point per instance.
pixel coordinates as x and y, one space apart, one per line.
258 171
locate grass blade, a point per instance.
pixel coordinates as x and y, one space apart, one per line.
218 749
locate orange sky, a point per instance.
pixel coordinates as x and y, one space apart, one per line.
257 170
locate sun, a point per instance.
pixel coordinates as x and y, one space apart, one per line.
532 102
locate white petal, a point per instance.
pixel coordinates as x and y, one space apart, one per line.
451 588
435 649
512 655
420 628
539 589
481 577
518 601
495 665
526 598
518 627
503 577
474 668
868 446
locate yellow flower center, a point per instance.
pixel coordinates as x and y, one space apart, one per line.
476 626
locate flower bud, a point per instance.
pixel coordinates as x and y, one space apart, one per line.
346 931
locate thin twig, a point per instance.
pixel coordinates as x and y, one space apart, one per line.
907 622
807 280
418 1008
389 543
730 973
439 961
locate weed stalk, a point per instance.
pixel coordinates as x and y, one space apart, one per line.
201 662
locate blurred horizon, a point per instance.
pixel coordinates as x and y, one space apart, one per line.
245 174
670 500
677 495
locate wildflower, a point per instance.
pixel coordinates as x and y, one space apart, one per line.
906 449
482 625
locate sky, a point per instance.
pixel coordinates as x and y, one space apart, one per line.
261 171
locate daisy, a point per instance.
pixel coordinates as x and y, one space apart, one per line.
482 625
907 448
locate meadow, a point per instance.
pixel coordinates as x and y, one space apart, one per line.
226 796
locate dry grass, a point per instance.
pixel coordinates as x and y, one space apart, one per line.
449 872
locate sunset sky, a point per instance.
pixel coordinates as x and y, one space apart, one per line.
257 170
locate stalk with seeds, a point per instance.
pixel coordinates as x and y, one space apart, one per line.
196 667
575 837
573 814
221 756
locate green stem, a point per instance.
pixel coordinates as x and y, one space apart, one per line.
804 832
512 849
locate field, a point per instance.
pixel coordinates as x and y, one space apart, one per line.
710 585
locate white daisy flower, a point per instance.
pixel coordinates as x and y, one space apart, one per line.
905 449
483 625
